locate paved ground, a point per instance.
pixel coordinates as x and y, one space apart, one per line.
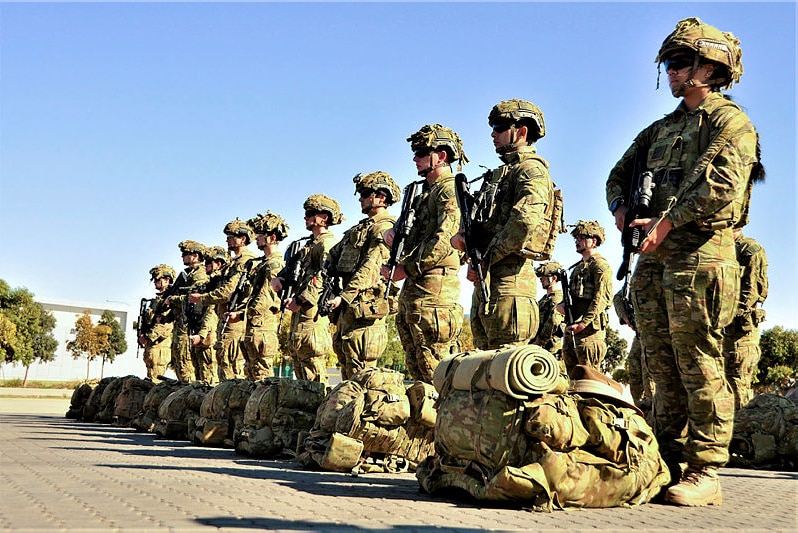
61 474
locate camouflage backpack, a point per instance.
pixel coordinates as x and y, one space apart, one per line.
766 434
130 400
222 412
148 415
177 414
108 399
93 404
78 401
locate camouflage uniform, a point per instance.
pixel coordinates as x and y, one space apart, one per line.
513 229
160 322
551 326
310 333
640 384
685 290
261 344
741 338
181 348
590 286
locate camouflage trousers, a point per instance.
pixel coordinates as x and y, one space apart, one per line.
181 356
204 361
429 322
358 343
310 343
682 299
156 359
741 355
260 346
640 384
511 316
591 347
229 355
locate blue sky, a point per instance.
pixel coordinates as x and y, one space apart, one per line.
126 128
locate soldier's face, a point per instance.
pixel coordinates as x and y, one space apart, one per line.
545 281
261 241
161 284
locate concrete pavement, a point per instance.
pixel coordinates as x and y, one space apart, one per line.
56 473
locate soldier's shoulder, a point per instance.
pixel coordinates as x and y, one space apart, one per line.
599 264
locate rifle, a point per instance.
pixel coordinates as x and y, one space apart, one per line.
402 229
238 293
329 289
142 324
466 203
290 276
567 302
628 308
639 202
158 308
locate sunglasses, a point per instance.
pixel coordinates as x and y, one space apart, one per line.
501 128
309 214
424 152
678 62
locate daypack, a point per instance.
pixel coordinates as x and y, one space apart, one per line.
222 412
148 415
766 434
93 404
78 401
130 400
178 412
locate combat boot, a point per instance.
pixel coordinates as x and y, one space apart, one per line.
698 487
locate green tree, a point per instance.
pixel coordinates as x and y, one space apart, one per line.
25 329
617 350
90 341
116 343
779 362
394 355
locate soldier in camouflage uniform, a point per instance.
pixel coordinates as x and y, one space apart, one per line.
704 158
551 327
590 285
229 358
262 313
202 330
310 338
430 317
741 338
193 256
640 384
156 340
511 228
361 307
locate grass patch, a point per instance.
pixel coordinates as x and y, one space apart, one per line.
33 384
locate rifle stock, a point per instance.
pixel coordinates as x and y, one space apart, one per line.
466 203
238 293
290 276
402 228
567 303
329 289
632 237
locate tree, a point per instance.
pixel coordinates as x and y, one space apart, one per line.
394 355
25 329
89 341
617 350
116 343
779 363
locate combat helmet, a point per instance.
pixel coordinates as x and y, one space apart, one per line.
217 253
239 227
192 247
324 204
517 111
549 268
437 137
269 224
162 271
378 181
590 228
709 44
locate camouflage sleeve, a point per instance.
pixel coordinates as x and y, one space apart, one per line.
727 174
160 332
533 192
550 325
437 245
222 292
753 278
619 180
266 299
367 274
210 320
602 298
309 286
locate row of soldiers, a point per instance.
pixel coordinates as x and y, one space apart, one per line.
680 196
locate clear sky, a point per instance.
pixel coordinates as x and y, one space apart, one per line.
126 128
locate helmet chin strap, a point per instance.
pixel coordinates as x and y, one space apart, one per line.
514 144
424 172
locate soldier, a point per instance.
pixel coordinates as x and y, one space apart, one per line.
551 328
261 344
157 335
704 159
193 257
640 385
310 339
741 338
430 316
202 329
229 358
512 227
361 307
590 287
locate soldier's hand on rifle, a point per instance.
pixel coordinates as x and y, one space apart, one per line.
560 309
194 298
398 275
620 216
335 303
233 317
142 340
292 305
194 339
277 284
458 242
388 236
575 328
471 275
655 232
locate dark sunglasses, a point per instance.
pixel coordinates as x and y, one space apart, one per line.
424 152
309 214
678 62
501 128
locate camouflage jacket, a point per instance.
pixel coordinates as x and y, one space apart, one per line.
590 286
437 220
551 326
264 301
714 199
753 283
196 277
311 259
230 274
523 191
161 324
357 258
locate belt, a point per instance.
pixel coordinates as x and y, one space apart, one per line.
437 271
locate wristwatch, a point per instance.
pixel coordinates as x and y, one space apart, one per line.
616 204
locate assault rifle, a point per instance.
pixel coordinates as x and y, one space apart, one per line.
329 289
290 276
238 293
466 203
402 229
142 324
632 237
180 284
567 302
628 308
